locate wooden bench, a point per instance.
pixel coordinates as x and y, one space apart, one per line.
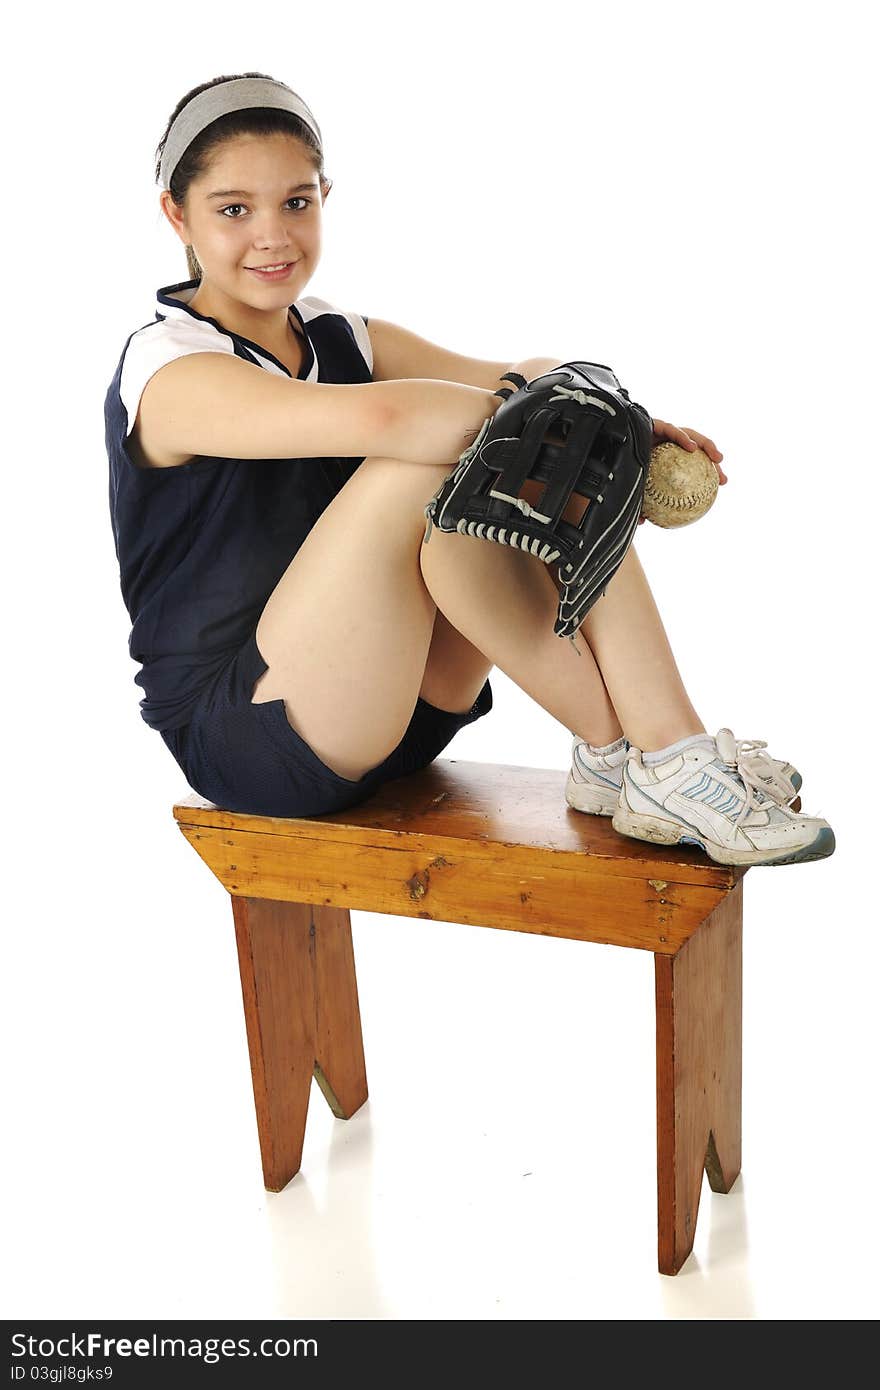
492 846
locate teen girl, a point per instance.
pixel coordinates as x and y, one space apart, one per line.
271 456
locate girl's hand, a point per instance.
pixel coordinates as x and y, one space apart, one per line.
690 440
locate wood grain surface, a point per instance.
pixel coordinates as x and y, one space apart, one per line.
302 1019
483 844
699 1075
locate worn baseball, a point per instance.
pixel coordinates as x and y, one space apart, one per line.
681 485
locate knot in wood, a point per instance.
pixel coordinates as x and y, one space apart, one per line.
418 885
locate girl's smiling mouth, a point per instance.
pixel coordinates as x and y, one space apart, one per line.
277 272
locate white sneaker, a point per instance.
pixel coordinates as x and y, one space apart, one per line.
593 783
697 798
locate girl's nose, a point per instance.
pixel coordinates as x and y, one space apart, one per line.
272 232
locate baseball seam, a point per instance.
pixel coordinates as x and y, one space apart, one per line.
678 502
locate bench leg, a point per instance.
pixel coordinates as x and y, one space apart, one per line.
699 1074
302 1017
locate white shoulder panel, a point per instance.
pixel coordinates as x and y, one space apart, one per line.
156 344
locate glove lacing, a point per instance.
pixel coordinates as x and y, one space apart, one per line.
760 777
580 395
464 460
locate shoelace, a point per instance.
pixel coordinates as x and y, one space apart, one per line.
761 779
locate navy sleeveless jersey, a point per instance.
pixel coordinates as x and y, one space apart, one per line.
201 546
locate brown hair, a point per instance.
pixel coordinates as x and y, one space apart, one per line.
264 121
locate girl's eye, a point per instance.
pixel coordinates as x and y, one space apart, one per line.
223 211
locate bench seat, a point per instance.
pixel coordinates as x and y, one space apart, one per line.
488 845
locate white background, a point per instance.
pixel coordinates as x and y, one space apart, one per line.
679 190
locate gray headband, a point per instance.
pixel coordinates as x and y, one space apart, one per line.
241 94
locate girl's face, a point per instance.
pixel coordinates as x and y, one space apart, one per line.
259 204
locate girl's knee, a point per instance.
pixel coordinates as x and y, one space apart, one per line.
399 489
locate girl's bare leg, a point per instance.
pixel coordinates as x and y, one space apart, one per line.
352 633
618 676
629 643
504 602
347 630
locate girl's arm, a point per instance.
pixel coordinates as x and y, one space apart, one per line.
212 404
399 354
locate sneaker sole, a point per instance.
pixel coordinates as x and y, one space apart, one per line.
664 832
591 800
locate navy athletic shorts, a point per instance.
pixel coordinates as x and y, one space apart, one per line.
246 757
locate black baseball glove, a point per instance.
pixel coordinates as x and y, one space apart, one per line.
574 429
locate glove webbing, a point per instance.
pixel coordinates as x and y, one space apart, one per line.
559 489
559 486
